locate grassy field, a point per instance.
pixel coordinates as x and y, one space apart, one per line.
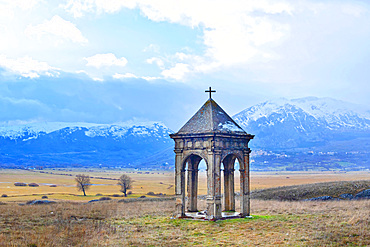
157 182
275 223
73 222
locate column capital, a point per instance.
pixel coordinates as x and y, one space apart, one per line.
229 170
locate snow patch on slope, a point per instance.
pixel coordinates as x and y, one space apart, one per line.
229 126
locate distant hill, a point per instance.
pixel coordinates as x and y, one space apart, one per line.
133 145
343 190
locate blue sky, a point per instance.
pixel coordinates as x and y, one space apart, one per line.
111 61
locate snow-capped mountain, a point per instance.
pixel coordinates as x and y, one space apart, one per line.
124 144
304 122
118 130
312 125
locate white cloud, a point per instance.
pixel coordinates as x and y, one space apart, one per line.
354 10
27 67
152 48
155 60
130 75
244 40
58 27
97 79
79 7
150 78
9 7
177 72
81 72
13 15
234 32
124 76
105 60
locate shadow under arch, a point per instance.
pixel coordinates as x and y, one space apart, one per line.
191 162
228 163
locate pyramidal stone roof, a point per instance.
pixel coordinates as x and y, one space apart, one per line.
211 118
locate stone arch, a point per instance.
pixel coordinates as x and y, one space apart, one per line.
192 161
187 156
228 163
232 153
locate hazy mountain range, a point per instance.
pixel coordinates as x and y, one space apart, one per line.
297 127
118 145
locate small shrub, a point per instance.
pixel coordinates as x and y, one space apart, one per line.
53 185
98 194
116 195
20 184
4 195
129 192
44 197
105 199
150 193
33 185
142 196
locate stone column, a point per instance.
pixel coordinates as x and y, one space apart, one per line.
226 199
193 183
214 210
210 186
229 193
179 186
218 204
245 186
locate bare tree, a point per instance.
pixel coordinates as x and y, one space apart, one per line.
83 182
126 183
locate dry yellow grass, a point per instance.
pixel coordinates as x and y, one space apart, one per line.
154 181
157 182
335 223
109 223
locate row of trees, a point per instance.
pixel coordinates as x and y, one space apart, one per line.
83 183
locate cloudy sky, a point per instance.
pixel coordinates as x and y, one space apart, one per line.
107 61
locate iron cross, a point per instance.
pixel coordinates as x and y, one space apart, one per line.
210 91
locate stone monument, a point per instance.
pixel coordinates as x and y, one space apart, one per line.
212 135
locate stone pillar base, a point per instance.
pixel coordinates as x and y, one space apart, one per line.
214 210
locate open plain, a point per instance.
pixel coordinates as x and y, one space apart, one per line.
148 222
105 183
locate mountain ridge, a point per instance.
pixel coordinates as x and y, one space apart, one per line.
303 122
306 132
126 144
